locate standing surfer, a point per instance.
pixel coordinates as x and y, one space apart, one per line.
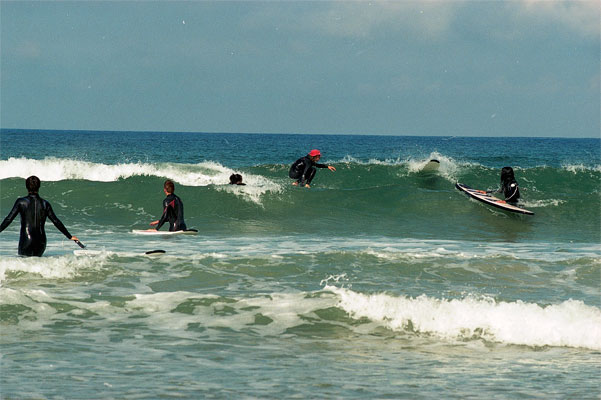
173 210
509 186
303 169
33 211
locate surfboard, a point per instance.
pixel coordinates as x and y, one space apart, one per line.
431 166
164 233
484 197
98 252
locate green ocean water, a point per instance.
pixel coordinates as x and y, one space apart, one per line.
381 281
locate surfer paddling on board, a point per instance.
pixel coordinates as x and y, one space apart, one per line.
303 169
33 211
509 186
173 210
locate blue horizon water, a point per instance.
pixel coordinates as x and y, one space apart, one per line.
381 281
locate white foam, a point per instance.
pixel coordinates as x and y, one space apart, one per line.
541 203
201 174
575 168
283 309
570 324
60 267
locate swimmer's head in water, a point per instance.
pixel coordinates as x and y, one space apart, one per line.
236 179
32 184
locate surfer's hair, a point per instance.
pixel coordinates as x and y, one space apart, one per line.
169 186
507 174
235 179
32 184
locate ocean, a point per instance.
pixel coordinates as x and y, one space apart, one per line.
380 281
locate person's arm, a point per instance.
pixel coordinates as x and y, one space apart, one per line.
10 217
59 225
163 219
498 190
331 168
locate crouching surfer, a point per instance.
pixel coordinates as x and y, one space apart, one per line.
173 210
509 186
303 169
33 211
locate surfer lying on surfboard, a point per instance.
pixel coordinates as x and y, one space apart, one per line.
509 186
173 210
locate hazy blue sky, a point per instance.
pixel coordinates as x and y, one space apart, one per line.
473 68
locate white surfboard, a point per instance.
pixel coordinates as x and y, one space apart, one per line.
484 197
431 166
91 253
153 232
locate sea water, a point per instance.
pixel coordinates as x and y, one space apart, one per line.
380 281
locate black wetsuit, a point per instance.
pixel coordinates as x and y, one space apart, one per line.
510 190
33 211
303 170
173 211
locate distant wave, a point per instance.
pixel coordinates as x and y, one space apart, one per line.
575 168
569 324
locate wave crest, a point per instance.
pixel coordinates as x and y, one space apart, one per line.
569 324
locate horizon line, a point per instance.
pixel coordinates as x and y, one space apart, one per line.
33 130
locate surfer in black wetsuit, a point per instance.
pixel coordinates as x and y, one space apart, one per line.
173 210
509 186
236 179
33 211
303 169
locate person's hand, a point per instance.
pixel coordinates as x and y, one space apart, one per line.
74 238
331 168
294 183
307 186
153 223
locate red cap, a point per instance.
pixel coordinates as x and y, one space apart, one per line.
314 153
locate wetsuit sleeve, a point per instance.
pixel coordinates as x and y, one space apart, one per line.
321 165
11 216
59 225
164 216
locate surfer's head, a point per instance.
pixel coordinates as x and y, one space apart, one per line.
507 174
169 186
236 179
32 184
315 154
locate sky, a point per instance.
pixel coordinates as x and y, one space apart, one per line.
420 68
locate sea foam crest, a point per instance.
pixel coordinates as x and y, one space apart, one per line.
575 168
569 324
447 169
63 267
201 174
